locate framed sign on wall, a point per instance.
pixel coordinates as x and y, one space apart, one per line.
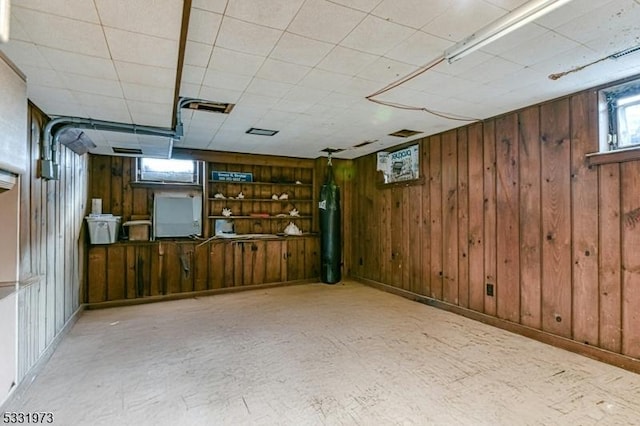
400 166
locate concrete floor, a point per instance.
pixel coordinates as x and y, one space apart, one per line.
317 354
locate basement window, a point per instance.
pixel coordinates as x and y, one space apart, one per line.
620 117
168 171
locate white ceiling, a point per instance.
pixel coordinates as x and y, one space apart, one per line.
304 67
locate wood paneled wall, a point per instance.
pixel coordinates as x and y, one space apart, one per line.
52 247
511 202
137 270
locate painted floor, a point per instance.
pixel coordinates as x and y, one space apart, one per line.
317 355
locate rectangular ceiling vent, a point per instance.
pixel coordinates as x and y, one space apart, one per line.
332 150
405 133
261 132
208 106
365 143
127 151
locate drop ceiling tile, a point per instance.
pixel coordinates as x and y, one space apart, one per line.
292 106
320 79
571 11
70 35
145 74
339 100
246 37
193 75
377 36
46 98
363 5
269 88
566 60
142 49
81 10
24 53
490 70
151 17
203 26
46 77
521 36
17 31
257 101
277 15
148 119
466 64
507 4
97 86
217 6
197 54
300 50
462 19
412 13
206 120
224 80
100 101
318 19
540 48
189 90
235 62
419 49
219 95
306 94
386 70
359 87
79 64
140 92
346 61
283 72
101 113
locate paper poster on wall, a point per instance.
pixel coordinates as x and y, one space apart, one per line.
400 165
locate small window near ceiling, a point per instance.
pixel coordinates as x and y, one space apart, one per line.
163 171
620 116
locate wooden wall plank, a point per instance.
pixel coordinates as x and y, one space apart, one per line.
630 206
584 218
435 197
556 214
476 218
414 249
490 215
239 262
508 218
450 217
425 259
610 258
131 276
97 282
116 261
201 268
187 266
259 261
274 253
463 218
216 265
143 270
397 236
531 209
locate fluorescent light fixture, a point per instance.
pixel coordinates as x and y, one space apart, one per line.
5 18
513 20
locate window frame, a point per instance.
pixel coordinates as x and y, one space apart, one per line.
197 176
610 116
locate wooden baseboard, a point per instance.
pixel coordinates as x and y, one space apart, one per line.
192 294
18 391
603 355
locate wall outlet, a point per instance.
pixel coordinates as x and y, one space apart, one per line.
489 289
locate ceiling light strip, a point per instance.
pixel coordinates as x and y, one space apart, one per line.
517 18
5 19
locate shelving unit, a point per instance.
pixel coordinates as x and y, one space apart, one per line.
258 212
